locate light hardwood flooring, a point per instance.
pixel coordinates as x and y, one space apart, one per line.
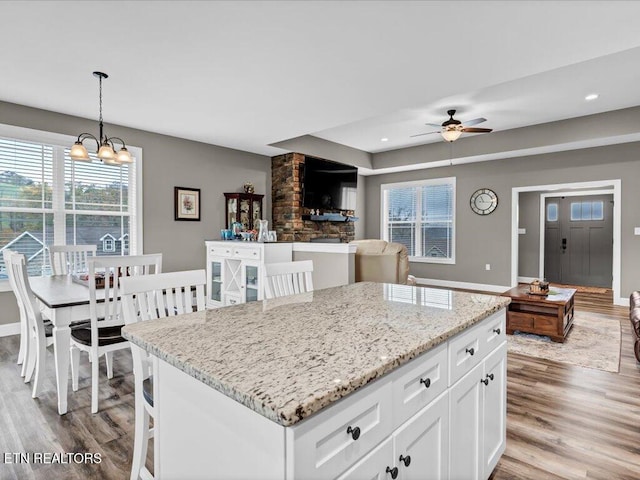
562 421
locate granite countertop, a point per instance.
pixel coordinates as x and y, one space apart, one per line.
290 357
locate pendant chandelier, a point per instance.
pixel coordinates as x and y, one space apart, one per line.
105 147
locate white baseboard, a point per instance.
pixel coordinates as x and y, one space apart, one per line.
622 301
527 279
464 285
10 329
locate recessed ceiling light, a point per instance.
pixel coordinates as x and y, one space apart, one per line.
385 139
591 96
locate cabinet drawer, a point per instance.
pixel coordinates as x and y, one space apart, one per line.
521 320
220 251
418 383
322 446
230 299
465 352
494 331
246 253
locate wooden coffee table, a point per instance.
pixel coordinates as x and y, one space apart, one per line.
550 315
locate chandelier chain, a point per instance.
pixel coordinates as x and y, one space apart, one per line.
100 82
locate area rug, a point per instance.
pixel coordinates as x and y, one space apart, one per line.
593 342
582 288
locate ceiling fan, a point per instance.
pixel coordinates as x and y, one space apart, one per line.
452 128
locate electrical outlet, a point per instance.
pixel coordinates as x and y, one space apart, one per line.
487 266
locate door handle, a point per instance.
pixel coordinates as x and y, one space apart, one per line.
564 244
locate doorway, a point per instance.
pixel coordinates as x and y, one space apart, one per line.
578 240
613 186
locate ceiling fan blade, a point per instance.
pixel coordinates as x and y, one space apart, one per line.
477 130
420 134
475 121
436 125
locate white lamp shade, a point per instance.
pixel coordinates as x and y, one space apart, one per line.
79 153
106 153
124 156
451 135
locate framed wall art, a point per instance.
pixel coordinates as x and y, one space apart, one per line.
187 204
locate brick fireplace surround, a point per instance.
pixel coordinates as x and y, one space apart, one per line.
287 209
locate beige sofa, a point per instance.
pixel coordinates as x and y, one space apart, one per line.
382 261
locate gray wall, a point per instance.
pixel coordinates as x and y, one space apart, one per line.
487 239
167 162
529 243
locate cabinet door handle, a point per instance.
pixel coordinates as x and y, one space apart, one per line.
393 471
427 382
355 432
490 376
406 460
485 381
496 331
470 351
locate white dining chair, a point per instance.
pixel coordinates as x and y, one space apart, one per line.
148 298
71 259
37 336
288 278
6 253
103 335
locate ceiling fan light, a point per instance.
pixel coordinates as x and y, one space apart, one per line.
79 153
124 156
451 135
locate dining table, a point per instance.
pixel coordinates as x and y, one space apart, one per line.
63 301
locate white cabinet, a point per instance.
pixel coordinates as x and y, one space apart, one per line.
235 270
477 412
413 423
421 446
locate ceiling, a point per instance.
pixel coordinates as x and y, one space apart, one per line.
249 74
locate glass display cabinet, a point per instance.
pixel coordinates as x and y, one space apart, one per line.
245 208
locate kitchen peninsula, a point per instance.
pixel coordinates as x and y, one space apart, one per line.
363 380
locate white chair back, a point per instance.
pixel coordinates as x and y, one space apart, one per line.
151 297
70 259
288 278
6 255
22 288
114 268
145 298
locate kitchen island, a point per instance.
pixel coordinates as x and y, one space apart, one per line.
366 380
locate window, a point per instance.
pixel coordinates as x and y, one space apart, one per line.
421 216
108 245
552 212
46 198
587 210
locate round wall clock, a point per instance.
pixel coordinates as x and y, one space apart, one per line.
484 201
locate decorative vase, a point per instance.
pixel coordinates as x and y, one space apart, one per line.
248 187
263 232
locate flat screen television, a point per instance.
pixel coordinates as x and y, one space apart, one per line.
328 185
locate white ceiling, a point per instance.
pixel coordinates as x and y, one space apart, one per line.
248 74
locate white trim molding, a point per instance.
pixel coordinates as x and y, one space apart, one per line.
434 282
10 329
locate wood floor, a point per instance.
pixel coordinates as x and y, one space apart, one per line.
562 421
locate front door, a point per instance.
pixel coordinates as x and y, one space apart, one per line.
578 240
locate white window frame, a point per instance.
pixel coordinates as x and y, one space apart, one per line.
384 203
135 184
